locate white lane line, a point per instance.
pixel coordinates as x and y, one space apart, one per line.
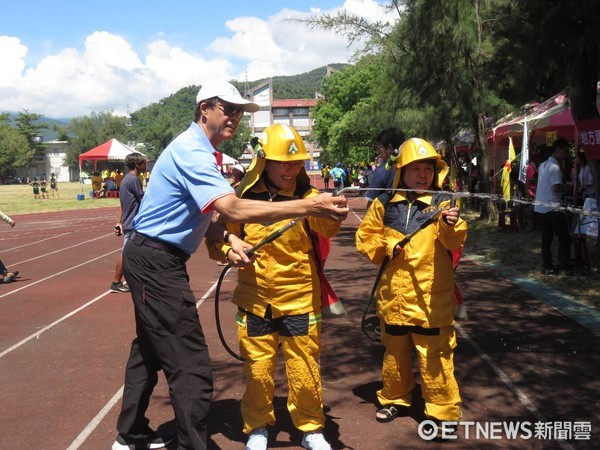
205 296
59 273
61 250
36 242
96 421
90 427
47 327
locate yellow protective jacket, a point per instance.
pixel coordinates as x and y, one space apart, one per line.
284 274
417 287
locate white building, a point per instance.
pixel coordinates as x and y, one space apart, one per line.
292 112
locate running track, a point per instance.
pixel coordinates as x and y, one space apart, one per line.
64 341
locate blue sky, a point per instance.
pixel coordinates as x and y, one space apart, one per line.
68 58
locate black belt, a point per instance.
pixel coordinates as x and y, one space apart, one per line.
142 239
402 330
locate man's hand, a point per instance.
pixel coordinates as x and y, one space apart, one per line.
237 255
119 229
330 207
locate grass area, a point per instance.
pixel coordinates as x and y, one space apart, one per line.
520 253
18 199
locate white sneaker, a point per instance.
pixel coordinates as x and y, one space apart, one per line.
315 441
258 439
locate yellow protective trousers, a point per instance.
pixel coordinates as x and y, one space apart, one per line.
300 338
435 353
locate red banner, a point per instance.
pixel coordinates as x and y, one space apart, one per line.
588 132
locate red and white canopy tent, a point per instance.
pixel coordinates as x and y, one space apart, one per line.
547 121
112 150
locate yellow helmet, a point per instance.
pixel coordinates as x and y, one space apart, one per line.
417 149
283 143
277 142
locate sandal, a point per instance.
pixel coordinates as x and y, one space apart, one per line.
386 414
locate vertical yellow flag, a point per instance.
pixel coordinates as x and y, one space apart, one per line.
505 180
511 150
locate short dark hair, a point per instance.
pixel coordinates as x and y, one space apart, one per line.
390 136
133 159
211 102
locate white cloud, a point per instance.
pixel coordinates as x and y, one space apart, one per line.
12 55
107 74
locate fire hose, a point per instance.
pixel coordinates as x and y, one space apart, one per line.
276 234
405 240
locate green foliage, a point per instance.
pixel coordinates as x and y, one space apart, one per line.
14 148
88 132
157 124
349 119
304 85
28 125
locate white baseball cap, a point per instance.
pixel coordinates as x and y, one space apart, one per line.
227 92
238 166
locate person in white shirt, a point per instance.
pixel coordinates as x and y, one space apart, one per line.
548 196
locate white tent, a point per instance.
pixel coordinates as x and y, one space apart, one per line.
228 160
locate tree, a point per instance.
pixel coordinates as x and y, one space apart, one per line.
347 121
14 147
32 131
436 56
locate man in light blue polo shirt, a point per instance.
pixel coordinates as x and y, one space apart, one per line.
174 216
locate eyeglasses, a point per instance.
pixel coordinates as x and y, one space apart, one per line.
231 110
292 165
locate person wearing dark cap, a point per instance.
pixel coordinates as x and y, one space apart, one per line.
174 216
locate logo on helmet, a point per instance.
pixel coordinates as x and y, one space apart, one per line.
422 151
292 150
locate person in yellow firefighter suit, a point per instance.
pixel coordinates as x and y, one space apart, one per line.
415 302
278 294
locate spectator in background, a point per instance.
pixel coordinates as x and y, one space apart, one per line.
326 174
109 186
35 185
54 185
130 197
338 175
550 190
96 182
44 188
119 177
531 179
388 140
531 175
585 180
